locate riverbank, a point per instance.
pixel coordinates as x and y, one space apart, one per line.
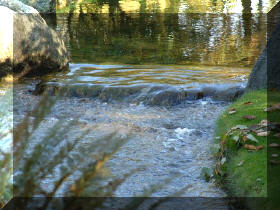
245 138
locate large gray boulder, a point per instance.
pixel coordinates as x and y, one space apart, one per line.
27 45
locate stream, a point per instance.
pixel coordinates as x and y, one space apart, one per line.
160 79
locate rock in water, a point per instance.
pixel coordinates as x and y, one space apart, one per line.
28 43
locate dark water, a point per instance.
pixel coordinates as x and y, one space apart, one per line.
233 40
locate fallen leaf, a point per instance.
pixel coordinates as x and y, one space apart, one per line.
249 117
253 147
248 103
250 147
274 155
273 108
244 138
232 111
274 145
241 163
265 133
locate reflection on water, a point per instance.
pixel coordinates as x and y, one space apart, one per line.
160 48
123 75
189 39
171 6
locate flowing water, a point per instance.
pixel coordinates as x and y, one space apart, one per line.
162 75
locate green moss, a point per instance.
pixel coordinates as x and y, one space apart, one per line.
246 172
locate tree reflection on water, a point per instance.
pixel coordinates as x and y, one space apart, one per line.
209 32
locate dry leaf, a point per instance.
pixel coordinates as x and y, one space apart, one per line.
274 145
248 103
253 147
232 111
250 147
249 117
245 138
266 133
273 108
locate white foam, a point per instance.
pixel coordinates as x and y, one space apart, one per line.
182 131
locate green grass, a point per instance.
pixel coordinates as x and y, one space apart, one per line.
249 179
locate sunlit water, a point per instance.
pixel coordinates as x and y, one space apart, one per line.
164 78
180 76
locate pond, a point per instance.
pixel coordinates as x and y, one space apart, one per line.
160 71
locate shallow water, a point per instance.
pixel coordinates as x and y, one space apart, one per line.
125 75
165 142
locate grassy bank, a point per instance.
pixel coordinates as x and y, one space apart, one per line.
244 140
